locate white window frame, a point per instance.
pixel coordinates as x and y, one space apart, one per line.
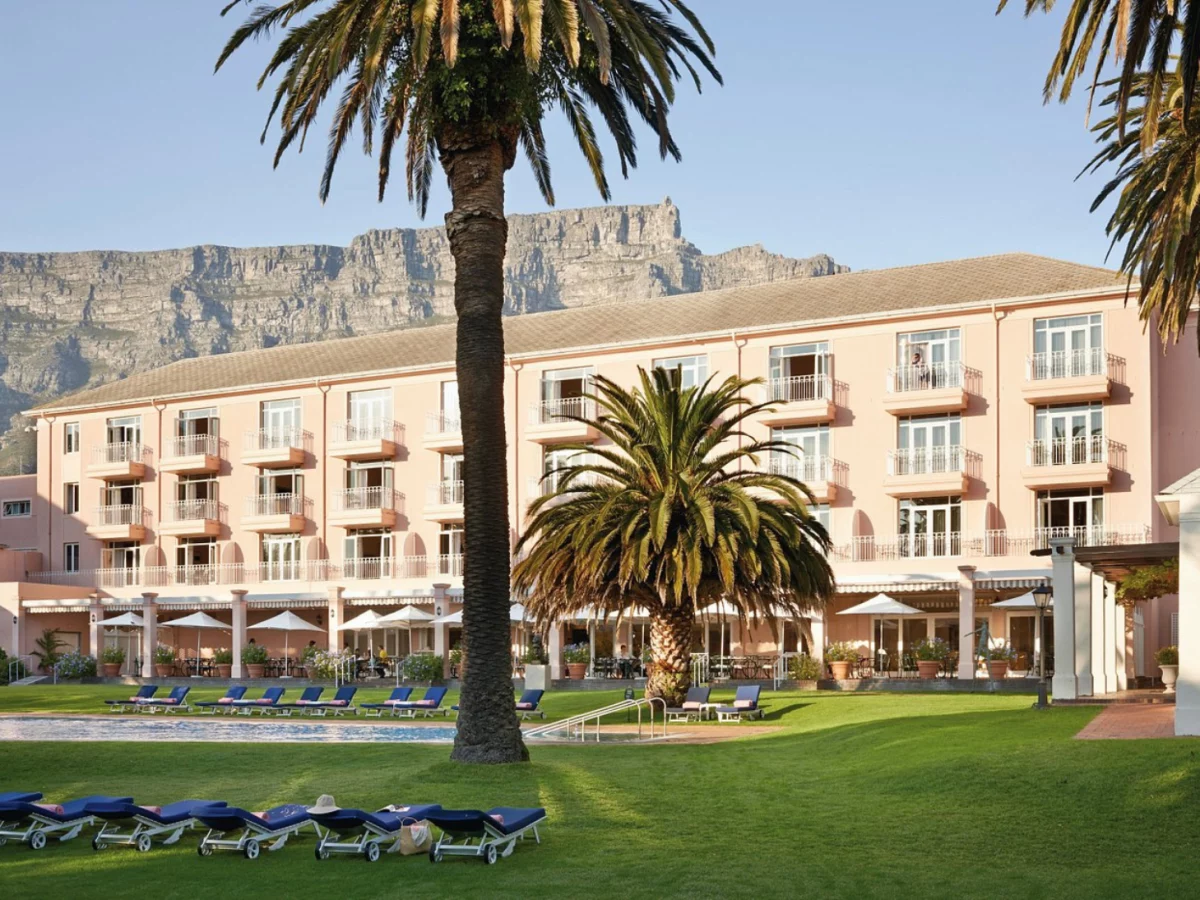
71 556
71 437
693 369
4 510
71 498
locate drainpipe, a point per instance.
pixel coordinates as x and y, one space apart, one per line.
998 315
738 344
159 406
323 536
516 486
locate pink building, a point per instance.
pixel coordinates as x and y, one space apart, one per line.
951 417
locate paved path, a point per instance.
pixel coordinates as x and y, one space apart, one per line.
1129 722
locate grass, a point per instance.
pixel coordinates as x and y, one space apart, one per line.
857 795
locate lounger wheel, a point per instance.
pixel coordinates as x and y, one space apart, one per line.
371 851
143 843
37 840
204 849
489 855
435 855
98 844
250 851
320 853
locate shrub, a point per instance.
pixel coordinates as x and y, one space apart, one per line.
326 664
423 667
254 655
804 668
164 655
933 650
113 656
1167 656
223 656
842 651
308 653
48 646
1001 653
19 670
577 653
76 665
535 654
456 655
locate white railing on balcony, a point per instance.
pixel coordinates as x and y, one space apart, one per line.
450 564
277 439
926 460
123 452
442 422
190 510
543 486
1078 451
193 445
367 567
352 499
123 514
799 388
413 567
1016 542
1019 543
444 493
925 377
1067 363
368 430
864 548
549 412
197 574
275 505
803 468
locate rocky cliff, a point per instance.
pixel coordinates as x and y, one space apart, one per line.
72 320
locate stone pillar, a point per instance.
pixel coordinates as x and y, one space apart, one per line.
1064 685
1101 662
554 650
1085 653
441 632
966 623
816 624
95 628
237 629
1120 660
149 632
1187 688
335 615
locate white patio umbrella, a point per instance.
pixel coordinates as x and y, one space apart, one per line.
125 620
199 621
881 605
1025 601
363 622
407 617
287 622
516 613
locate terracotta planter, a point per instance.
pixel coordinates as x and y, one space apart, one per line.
1169 676
254 671
163 671
224 671
928 668
841 669
576 670
997 669
112 670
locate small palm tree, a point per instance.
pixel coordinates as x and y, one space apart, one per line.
674 515
471 82
48 647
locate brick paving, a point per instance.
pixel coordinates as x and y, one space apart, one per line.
1130 722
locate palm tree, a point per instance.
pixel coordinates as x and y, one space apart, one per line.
674 515
48 646
472 89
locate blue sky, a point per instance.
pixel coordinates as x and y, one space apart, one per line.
884 133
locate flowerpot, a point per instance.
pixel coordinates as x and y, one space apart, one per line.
224 671
112 670
254 670
1169 675
163 671
576 670
537 677
928 668
997 669
841 669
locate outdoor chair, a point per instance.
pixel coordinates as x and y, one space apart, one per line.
366 830
145 692
693 706
745 705
398 696
483 835
224 704
251 829
149 822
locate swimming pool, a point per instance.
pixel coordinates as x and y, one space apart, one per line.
146 728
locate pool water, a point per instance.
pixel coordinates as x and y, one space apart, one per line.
162 728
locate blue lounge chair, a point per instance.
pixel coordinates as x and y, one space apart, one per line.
427 706
360 832
251 829
145 692
342 703
309 698
745 705
150 822
529 705
173 702
225 704
33 823
268 701
398 696
20 796
694 706
484 835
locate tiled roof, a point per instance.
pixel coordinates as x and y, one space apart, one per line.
928 286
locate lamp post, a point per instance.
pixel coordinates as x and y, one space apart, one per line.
1042 596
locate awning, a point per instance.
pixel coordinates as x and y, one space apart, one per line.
1025 601
881 605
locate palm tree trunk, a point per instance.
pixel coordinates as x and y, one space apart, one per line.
488 731
671 649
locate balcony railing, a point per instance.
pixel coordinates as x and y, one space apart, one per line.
445 493
118 453
803 468
121 514
799 388
450 564
367 430
442 422
926 377
278 439
1078 451
367 567
190 510
358 498
275 505
549 412
414 567
1018 543
926 460
193 445
1068 364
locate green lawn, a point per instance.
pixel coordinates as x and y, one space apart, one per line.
858 795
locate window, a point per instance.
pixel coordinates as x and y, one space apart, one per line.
71 497
1074 513
1068 346
930 526
555 459
368 486
196 421
124 431
280 557
693 370
821 512
122 493
928 359
450 550
452 466
563 394
1068 435
928 444
370 414
280 423
71 437
14 508
810 459
367 554
71 557
195 498
121 559
280 492
196 560
800 372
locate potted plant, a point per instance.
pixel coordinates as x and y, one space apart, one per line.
577 657
306 660
537 673
931 654
840 657
999 658
1168 661
456 658
164 661
223 661
254 657
47 653
112 659
803 668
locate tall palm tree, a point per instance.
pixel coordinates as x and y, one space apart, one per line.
471 81
673 515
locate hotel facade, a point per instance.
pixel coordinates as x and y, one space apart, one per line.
949 418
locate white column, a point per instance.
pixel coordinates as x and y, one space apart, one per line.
555 651
149 632
1187 688
441 607
1101 655
334 616
1084 652
95 629
1120 664
237 630
966 622
817 647
1064 686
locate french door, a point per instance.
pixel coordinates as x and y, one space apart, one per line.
929 444
368 554
811 453
799 372
1069 346
1071 513
930 526
280 422
370 414
1069 435
281 557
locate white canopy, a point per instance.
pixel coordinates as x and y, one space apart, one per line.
516 613
721 608
628 614
881 605
364 622
196 620
1025 601
406 616
125 620
286 621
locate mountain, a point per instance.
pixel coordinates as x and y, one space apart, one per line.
74 320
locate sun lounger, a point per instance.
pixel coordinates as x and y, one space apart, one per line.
20 796
145 692
342 703
529 705
693 706
357 831
173 702
149 822
309 697
745 705
225 704
250 829
484 835
427 706
268 701
398 696
32 823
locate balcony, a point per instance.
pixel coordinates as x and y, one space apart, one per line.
994 543
800 400
444 501
450 565
551 422
192 454
126 522
367 568
366 507
117 462
926 389
274 513
443 432
1067 376
191 518
926 471
1069 462
820 474
276 447
309 570
373 439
